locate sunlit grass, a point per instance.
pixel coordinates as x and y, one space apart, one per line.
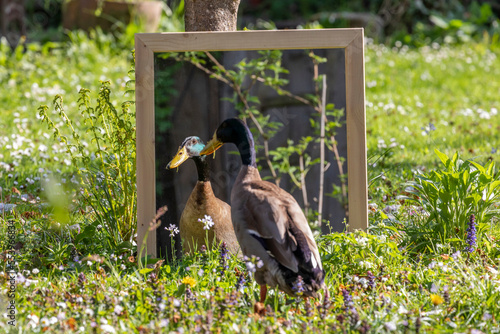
69 279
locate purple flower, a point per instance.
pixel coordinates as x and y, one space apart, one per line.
298 286
241 282
371 279
471 235
348 303
223 258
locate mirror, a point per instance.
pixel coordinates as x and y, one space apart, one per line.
193 92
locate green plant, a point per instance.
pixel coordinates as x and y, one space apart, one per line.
107 168
454 193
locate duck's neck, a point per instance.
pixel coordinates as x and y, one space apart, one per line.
203 169
246 147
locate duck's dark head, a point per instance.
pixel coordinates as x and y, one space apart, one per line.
190 147
233 130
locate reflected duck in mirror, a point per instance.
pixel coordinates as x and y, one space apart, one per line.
269 223
201 203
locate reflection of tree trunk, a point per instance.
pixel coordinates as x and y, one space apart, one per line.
200 15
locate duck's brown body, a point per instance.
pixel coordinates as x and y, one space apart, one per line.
201 202
269 224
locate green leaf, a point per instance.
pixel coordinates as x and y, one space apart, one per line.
444 158
145 271
478 167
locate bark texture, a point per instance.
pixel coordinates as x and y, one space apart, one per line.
211 15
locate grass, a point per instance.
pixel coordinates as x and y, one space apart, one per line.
70 279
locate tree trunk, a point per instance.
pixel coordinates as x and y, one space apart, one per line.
211 15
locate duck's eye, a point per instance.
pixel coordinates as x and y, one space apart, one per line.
180 153
195 141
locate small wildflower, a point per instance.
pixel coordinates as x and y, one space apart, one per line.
348 303
390 326
308 308
188 293
207 222
241 282
298 286
471 235
436 299
172 229
81 278
253 263
371 279
250 267
223 258
44 322
108 328
203 248
326 305
118 309
446 294
164 323
35 271
189 281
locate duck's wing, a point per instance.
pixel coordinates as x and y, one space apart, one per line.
274 218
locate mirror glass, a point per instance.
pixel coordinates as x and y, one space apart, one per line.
280 94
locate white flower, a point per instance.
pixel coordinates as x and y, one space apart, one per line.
118 309
200 272
173 230
207 222
89 263
20 279
177 302
363 241
53 320
108 328
89 311
34 320
390 326
163 323
35 271
250 267
402 310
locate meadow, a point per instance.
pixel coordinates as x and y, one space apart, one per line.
426 264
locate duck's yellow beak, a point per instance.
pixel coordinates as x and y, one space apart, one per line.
179 158
212 145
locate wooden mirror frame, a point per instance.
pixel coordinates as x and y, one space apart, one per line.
147 44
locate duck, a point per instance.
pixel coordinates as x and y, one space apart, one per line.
268 222
202 205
